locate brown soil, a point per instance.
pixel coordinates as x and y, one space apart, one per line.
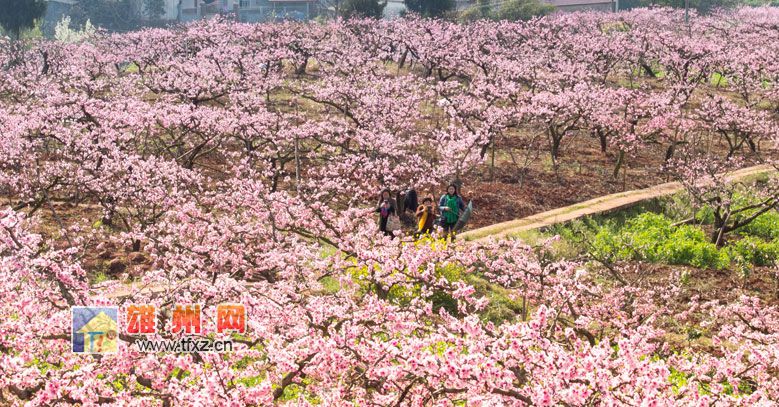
584 173
111 260
701 286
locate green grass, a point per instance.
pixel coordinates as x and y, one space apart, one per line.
718 80
132 67
99 277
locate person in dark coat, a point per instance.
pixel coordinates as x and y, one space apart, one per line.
386 208
404 199
410 201
400 200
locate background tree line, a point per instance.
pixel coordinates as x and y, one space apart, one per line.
28 16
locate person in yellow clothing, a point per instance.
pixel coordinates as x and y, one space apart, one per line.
425 216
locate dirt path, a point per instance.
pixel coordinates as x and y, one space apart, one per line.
594 206
507 229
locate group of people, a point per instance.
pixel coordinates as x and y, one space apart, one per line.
446 214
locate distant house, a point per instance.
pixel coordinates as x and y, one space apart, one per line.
264 10
561 5
578 5
249 10
394 9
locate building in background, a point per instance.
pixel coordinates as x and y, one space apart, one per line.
394 9
578 5
269 10
249 10
560 5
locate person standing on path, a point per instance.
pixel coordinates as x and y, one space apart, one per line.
386 208
450 206
425 216
410 200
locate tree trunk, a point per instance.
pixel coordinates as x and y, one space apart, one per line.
556 140
670 152
648 70
717 236
603 142
618 165
301 69
108 219
402 61
555 152
752 145
720 228
492 162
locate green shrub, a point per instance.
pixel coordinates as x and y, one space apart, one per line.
765 226
753 250
442 299
688 245
688 232
697 254
606 246
705 215
640 238
648 234
652 237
